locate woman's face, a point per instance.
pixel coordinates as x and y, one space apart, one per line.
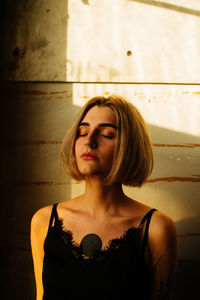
96 141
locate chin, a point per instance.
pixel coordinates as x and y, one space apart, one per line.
93 172
90 173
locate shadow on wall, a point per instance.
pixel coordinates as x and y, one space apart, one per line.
179 167
165 5
175 179
189 237
174 188
187 282
29 169
165 135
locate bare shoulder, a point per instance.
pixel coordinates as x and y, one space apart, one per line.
161 224
40 219
162 236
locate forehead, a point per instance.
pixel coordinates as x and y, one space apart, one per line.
98 114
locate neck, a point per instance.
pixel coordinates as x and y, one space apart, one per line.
100 198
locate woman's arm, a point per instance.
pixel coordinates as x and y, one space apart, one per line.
162 247
39 227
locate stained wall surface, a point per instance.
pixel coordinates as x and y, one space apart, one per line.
56 57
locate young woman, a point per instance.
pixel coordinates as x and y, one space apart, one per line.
103 244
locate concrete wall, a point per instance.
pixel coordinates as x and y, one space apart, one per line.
131 41
58 54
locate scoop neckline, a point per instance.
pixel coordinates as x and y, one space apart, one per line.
110 248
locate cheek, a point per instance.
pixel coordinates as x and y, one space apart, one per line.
110 152
76 148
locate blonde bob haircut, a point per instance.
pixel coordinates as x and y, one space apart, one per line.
133 157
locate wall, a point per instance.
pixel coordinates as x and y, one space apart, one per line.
58 55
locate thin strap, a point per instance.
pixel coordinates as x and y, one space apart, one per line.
53 214
148 218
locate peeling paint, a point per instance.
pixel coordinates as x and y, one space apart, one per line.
86 2
188 235
85 97
196 93
43 142
26 182
34 92
54 93
177 145
172 179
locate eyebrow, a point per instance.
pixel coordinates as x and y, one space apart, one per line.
100 125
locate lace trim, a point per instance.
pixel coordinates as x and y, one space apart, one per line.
112 246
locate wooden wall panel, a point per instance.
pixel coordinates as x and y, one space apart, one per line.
38 100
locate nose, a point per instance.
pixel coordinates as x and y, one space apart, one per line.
91 141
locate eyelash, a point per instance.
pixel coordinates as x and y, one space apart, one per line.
106 136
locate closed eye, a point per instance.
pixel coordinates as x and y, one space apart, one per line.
107 136
104 135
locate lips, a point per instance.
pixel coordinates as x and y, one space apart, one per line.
88 156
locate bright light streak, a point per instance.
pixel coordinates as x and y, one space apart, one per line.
173 107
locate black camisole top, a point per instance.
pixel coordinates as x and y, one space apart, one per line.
115 272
